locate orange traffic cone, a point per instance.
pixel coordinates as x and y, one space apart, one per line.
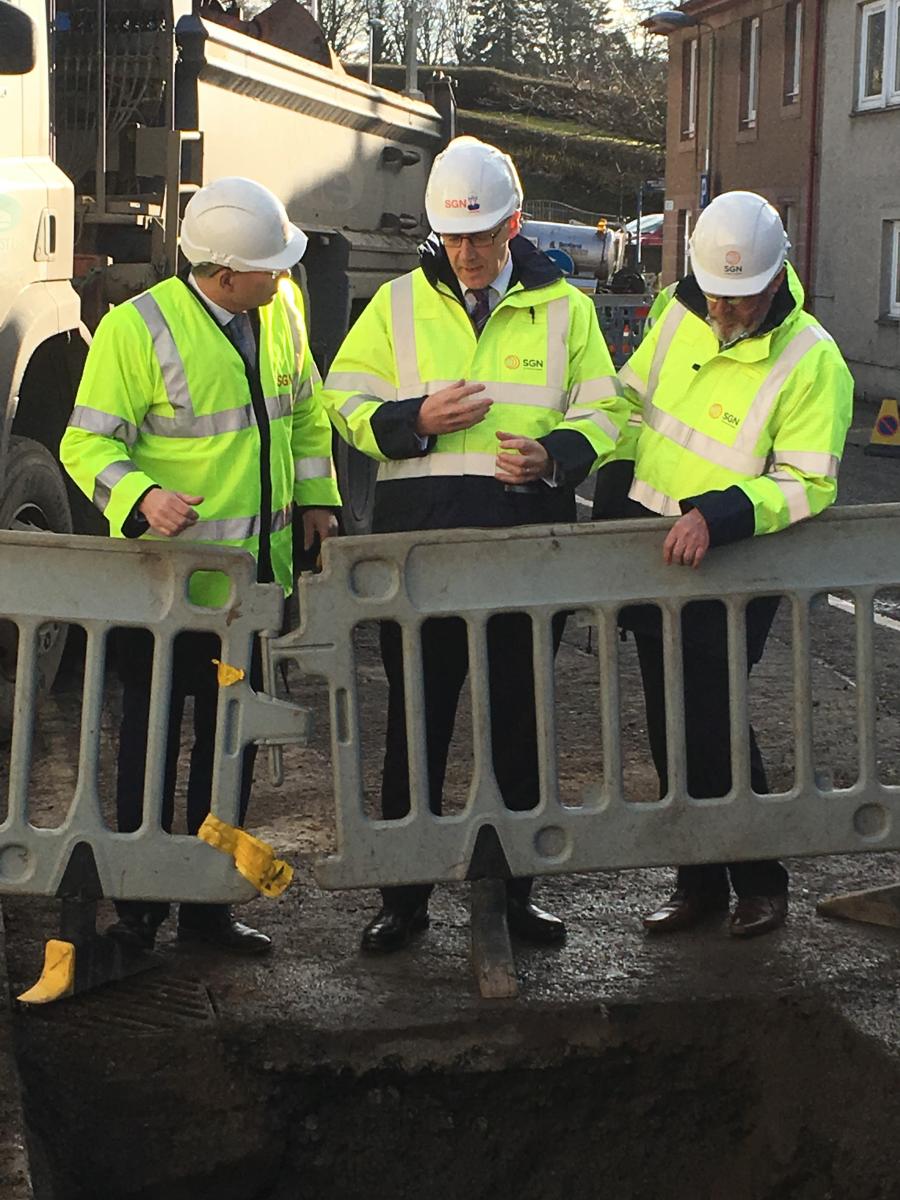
885 437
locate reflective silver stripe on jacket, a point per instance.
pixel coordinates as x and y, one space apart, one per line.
525 395
312 468
234 529
403 335
368 386
764 400
601 420
303 389
170 362
657 502
630 378
668 327
92 420
279 405
557 366
437 463
701 444
107 480
794 492
592 391
810 462
349 407
232 420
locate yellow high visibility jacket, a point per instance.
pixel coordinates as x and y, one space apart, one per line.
758 426
167 400
545 365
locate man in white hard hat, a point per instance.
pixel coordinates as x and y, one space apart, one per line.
199 417
532 407
740 405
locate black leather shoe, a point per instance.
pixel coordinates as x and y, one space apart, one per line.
393 929
754 915
135 933
683 910
532 924
222 930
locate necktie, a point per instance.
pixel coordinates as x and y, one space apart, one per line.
240 331
482 309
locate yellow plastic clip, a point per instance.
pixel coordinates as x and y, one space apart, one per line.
58 976
227 675
254 859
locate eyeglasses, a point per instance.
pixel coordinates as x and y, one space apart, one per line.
486 237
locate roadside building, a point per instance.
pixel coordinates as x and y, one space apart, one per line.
749 65
856 285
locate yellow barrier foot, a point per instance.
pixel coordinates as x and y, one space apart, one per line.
58 976
874 906
81 959
253 858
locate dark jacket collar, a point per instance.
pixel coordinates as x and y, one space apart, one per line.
783 303
531 267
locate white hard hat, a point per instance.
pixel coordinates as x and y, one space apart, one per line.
240 224
472 187
738 245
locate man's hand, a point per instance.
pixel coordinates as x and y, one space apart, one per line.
318 522
521 460
688 540
450 409
169 513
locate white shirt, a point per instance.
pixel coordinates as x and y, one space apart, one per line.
222 315
496 289
225 317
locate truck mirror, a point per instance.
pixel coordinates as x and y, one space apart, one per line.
16 41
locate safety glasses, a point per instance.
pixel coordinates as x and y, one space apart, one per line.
732 301
486 238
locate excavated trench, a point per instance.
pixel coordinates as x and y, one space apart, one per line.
777 1099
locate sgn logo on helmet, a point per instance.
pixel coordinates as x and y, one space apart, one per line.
470 203
733 263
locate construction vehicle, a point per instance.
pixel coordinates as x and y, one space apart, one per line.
112 113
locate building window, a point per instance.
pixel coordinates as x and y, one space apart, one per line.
893 305
789 216
750 70
689 65
879 59
793 50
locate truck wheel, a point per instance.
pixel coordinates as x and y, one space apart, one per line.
32 497
356 478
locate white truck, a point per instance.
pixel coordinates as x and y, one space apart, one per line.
112 112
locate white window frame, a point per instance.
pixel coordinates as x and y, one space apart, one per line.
792 95
748 117
890 89
686 243
691 130
894 292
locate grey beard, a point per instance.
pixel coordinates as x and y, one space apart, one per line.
735 333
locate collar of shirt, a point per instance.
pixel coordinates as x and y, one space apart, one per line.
497 289
222 315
